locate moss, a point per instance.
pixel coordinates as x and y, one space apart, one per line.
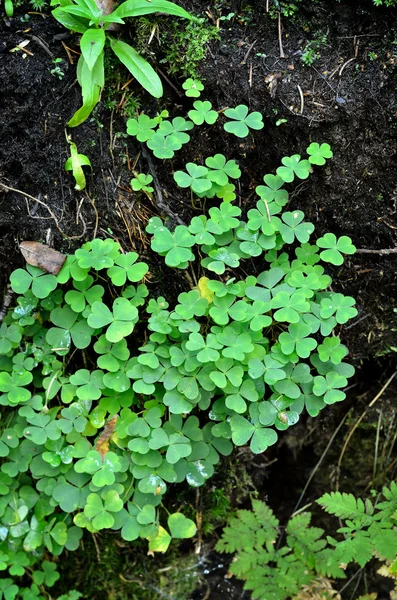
182 49
107 567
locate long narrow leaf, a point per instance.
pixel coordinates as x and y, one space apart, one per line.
91 6
78 11
87 78
137 8
92 44
70 21
88 106
90 89
9 8
138 67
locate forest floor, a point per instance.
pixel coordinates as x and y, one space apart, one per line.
336 84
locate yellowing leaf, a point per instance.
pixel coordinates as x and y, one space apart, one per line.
205 292
161 542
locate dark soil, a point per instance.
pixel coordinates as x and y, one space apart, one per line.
349 101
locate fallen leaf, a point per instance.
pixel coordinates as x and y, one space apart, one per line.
102 445
40 255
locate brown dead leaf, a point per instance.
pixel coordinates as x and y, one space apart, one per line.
102 445
40 255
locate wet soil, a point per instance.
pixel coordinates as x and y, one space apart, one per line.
346 97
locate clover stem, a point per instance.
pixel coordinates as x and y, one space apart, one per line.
267 210
49 388
166 509
128 489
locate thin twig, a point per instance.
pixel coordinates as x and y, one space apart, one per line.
380 252
280 42
11 189
312 474
41 43
162 205
98 552
345 65
353 429
164 76
6 302
301 97
244 61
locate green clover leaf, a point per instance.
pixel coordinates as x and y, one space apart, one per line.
176 131
262 217
328 387
84 293
293 227
293 165
221 170
219 259
296 340
42 283
335 248
142 128
243 430
318 153
206 348
103 470
141 182
48 576
191 304
290 306
174 246
223 219
200 227
242 121
8 590
203 113
14 386
41 428
98 254
125 267
121 320
69 327
180 527
163 146
195 178
331 349
271 192
10 336
89 384
100 511
192 87
339 305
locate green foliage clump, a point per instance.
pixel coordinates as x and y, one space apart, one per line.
109 397
84 17
184 48
280 572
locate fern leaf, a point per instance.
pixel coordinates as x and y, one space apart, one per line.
385 544
363 548
342 505
388 507
264 514
246 563
328 565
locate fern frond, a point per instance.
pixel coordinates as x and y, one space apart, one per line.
264 514
387 508
342 505
328 565
385 543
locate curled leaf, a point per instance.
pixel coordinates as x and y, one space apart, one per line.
42 256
